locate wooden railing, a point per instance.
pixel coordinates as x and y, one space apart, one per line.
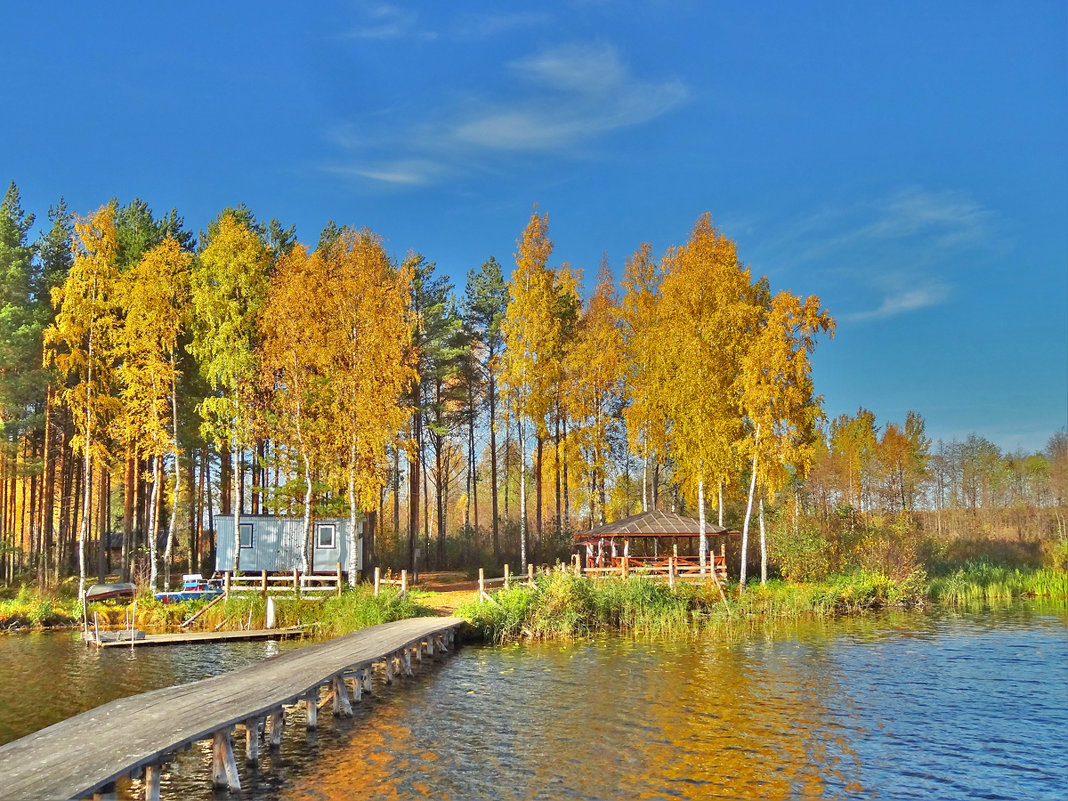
672 568
264 583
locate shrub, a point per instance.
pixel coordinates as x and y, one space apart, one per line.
802 555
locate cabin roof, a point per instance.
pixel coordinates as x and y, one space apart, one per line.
652 524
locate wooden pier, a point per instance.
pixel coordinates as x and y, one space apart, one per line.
84 756
192 637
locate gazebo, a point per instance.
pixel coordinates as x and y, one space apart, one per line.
656 537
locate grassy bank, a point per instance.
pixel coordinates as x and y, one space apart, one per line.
563 605
332 617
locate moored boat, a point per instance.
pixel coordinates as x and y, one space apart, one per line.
194 587
104 592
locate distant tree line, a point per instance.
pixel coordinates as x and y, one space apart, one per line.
151 380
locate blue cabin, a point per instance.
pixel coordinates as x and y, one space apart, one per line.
272 543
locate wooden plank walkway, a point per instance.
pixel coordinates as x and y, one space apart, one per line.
201 637
88 753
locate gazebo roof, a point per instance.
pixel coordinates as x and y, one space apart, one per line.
652 524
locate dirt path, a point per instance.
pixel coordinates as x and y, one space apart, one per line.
448 589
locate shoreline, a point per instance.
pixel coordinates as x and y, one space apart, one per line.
561 605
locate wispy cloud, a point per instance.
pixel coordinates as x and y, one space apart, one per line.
947 217
482 26
578 92
390 22
557 101
904 301
885 256
410 172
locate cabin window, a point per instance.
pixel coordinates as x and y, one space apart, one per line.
327 537
246 535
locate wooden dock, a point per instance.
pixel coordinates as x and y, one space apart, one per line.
85 755
199 637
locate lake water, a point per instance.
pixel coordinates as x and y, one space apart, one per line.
903 706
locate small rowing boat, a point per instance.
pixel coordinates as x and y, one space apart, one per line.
105 592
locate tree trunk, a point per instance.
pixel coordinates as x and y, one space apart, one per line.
153 529
238 505
413 495
703 541
48 503
763 544
195 494
396 490
350 562
102 525
538 487
129 499
556 460
214 542
567 484
507 466
172 527
493 473
226 479
522 498
748 513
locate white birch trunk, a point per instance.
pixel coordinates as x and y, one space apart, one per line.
236 501
748 512
523 497
157 479
763 544
703 542
350 562
171 526
721 504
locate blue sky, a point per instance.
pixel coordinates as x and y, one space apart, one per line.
906 162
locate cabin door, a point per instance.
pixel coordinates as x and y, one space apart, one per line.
326 552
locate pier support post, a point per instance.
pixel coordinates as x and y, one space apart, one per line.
223 765
404 582
311 703
408 663
341 697
368 680
389 669
152 777
277 722
419 652
252 741
530 574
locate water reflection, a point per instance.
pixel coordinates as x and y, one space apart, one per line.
946 706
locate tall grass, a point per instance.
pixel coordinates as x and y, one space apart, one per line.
332 617
982 582
563 605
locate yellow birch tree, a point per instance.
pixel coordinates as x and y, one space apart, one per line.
778 402
370 363
529 329
81 345
154 297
